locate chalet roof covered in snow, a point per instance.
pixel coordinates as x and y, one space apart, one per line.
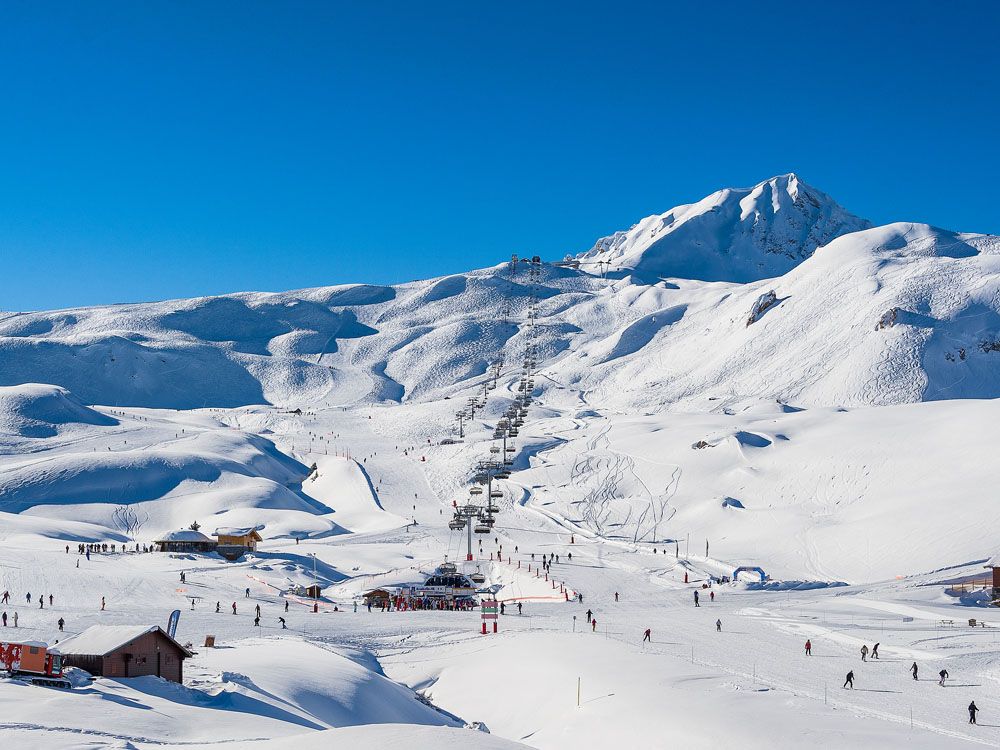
185 535
100 640
236 530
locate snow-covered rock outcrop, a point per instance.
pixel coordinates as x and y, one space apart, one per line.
736 234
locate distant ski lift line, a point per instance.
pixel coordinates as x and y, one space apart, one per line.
472 517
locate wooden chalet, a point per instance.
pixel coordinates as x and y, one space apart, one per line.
234 542
122 651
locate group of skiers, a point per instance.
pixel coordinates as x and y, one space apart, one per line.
914 670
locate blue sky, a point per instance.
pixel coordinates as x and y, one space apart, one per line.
172 149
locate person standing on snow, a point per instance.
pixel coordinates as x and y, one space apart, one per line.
283 625
943 674
234 608
593 625
218 607
616 596
809 648
914 670
247 594
875 651
718 626
864 653
519 607
696 599
711 595
589 615
973 710
849 680
102 604
61 624
645 636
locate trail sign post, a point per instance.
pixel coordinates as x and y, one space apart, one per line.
489 612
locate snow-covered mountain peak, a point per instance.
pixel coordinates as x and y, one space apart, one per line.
734 234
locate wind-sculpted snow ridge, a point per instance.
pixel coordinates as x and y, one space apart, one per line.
33 411
741 234
125 470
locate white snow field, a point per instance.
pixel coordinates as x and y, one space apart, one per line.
758 379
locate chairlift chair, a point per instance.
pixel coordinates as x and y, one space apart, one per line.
475 490
482 527
457 523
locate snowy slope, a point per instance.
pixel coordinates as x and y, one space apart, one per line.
895 314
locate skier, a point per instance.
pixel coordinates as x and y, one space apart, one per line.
234 608
696 599
50 600
27 597
503 608
256 621
973 710
570 556
4 619
875 651
286 606
718 626
15 618
248 593
182 577
6 597
519 607
102 604
589 615
283 625
258 610
849 680
809 648
864 653
218 607
711 595
355 606
943 674
593 625
61 623
645 636
914 670
616 596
